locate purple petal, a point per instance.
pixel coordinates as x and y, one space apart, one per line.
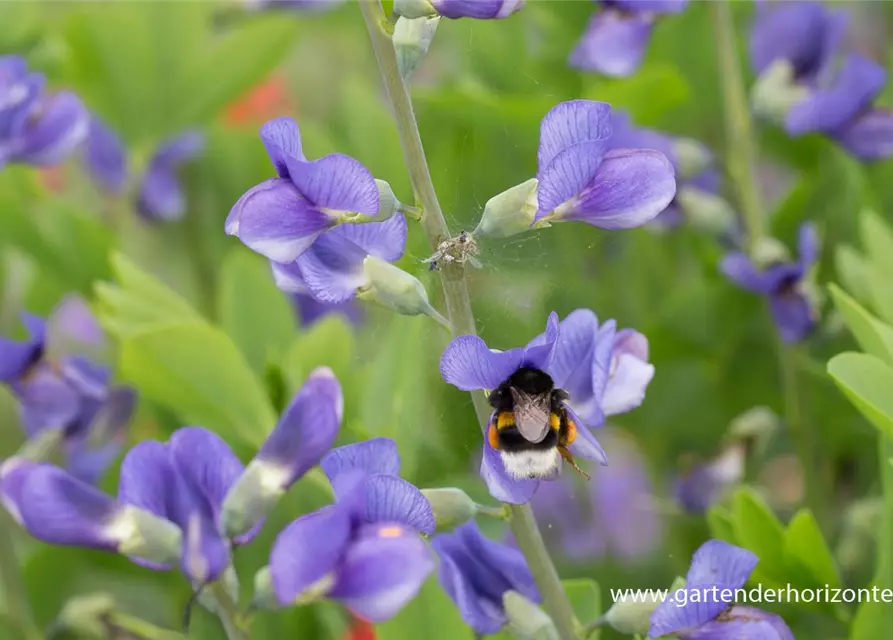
571 358
718 562
701 605
480 9
392 499
205 554
567 176
588 404
484 615
613 44
17 357
72 330
105 156
857 83
585 446
88 464
744 623
383 569
103 436
794 315
808 245
502 486
870 136
288 277
336 182
161 194
385 239
658 6
47 400
630 188
378 455
332 268
282 139
311 310
569 123
13 473
538 353
307 551
626 387
626 136
276 221
498 559
795 32
468 364
206 463
61 126
58 509
738 268
307 429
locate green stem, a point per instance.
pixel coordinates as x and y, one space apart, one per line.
741 144
142 629
458 302
228 612
16 600
884 575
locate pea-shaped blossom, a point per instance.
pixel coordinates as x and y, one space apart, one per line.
36 127
60 382
365 550
824 89
194 483
545 395
455 9
704 608
582 177
784 283
282 217
476 572
618 34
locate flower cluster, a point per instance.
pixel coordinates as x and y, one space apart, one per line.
64 390
583 369
618 34
37 127
455 9
159 192
812 84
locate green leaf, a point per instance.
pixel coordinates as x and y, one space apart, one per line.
646 96
873 336
230 66
721 523
430 615
866 381
252 310
872 621
586 600
329 342
195 370
854 271
877 239
757 529
805 545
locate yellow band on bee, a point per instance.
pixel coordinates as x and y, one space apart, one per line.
505 419
555 421
571 432
493 436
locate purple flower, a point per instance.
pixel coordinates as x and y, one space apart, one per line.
58 388
476 572
282 217
455 9
581 177
387 497
310 310
36 127
614 514
707 483
617 36
105 156
160 194
784 283
569 368
703 609
198 483
364 551
332 269
837 91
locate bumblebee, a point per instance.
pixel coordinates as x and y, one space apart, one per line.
530 427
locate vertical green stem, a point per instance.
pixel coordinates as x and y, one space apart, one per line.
458 302
884 575
18 609
228 613
741 155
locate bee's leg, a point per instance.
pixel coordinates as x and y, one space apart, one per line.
566 454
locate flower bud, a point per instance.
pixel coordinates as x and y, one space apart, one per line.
230 582
692 157
632 615
264 597
252 497
509 213
526 620
452 507
86 615
769 251
397 290
414 8
387 201
775 92
705 210
147 536
755 424
412 38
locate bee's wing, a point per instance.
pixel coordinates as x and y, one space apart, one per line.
531 415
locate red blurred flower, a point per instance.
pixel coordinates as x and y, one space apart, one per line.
263 102
360 630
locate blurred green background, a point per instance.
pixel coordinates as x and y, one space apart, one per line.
152 69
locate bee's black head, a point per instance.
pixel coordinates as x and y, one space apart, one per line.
531 381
